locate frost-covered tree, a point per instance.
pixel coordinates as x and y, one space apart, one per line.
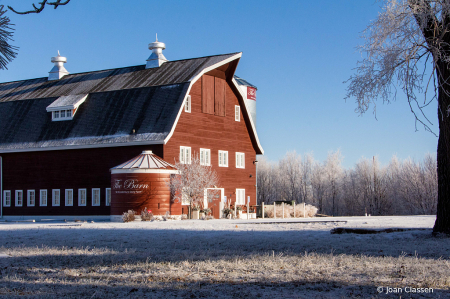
192 180
408 45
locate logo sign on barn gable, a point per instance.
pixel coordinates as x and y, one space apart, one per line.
251 93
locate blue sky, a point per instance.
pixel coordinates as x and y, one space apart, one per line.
298 53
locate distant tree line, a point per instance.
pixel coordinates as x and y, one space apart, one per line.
399 188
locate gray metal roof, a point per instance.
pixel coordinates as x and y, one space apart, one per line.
113 117
171 72
241 81
124 106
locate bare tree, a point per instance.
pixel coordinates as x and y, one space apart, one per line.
407 37
191 182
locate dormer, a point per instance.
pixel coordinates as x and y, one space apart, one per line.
65 107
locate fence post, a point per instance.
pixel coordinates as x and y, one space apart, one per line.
274 211
294 209
304 210
248 210
262 209
282 210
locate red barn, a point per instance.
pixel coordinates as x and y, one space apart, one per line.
60 135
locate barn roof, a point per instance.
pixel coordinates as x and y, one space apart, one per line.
124 106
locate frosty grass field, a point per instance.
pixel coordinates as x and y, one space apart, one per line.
224 259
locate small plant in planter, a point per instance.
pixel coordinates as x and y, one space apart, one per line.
206 211
227 211
195 208
129 216
238 208
146 215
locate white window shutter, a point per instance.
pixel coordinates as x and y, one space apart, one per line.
182 155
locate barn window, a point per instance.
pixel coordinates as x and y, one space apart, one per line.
31 198
56 197
185 155
108 196
237 113
81 197
19 198
240 160
69 197
96 196
223 158
7 198
205 157
43 198
240 196
187 106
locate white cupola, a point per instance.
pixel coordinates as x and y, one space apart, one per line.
157 58
58 71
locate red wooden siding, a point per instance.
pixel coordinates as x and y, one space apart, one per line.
201 130
65 169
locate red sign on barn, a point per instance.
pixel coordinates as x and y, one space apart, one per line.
251 93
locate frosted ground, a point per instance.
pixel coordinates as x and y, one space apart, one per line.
223 259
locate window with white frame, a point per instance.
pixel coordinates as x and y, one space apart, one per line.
185 197
237 113
7 198
31 198
62 115
56 197
240 196
187 105
108 196
95 196
205 157
81 197
43 197
223 158
69 197
19 198
240 160
185 155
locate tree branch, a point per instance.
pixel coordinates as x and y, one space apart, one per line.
41 8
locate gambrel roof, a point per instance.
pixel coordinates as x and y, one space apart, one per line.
124 106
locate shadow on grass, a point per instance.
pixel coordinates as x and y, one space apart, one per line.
243 289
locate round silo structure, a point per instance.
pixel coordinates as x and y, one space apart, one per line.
142 183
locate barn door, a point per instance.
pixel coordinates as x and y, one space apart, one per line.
214 202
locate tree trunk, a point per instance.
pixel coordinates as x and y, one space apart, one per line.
442 224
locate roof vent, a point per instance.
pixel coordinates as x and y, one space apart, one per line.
58 71
157 58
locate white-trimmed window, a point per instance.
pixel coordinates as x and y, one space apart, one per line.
95 196
240 160
185 198
81 197
62 115
185 155
69 197
7 198
205 157
237 113
43 197
19 198
31 198
187 105
223 158
240 196
108 196
56 197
